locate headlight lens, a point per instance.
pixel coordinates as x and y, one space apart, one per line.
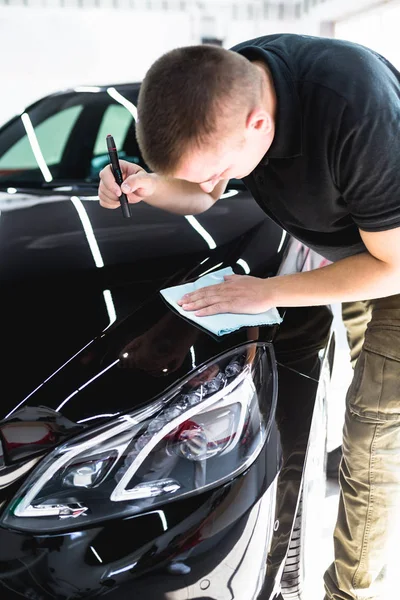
202 433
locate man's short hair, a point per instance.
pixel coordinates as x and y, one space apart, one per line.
188 97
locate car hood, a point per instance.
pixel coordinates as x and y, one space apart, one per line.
83 282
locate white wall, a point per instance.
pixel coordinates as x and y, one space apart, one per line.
377 28
339 9
239 31
46 48
49 49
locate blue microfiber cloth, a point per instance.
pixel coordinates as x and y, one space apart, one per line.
224 322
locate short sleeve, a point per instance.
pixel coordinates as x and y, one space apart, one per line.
368 169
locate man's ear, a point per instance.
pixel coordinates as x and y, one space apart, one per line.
259 120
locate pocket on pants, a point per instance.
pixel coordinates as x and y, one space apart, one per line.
374 394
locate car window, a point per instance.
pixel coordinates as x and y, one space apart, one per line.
51 136
116 120
62 138
119 122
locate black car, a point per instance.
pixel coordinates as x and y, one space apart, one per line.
141 456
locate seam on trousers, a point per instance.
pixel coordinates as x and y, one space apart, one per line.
386 352
369 509
378 408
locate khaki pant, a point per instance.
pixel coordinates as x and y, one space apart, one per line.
367 533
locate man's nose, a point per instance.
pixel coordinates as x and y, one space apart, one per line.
208 186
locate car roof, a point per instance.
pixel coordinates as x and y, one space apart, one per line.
82 89
101 88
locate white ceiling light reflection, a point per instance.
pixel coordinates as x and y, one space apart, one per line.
86 384
87 88
75 535
95 250
193 356
112 315
242 263
160 513
122 569
88 229
96 554
284 234
68 188
211 269
30 132
105 415
162 516
45 381
122 100
11 190
229 194
201 231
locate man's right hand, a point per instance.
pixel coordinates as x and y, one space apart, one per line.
138 185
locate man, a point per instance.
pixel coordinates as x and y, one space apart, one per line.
312 127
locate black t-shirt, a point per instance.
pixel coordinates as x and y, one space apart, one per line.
334 164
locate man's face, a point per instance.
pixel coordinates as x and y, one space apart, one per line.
234 158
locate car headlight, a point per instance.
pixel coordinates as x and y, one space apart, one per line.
201 433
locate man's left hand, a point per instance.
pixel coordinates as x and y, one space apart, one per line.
240 294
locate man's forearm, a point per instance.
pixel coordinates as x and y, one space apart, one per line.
181 197
359 277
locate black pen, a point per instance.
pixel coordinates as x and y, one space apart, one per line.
116 169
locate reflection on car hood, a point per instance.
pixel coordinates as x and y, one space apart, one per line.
72 272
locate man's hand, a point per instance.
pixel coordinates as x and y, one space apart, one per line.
240 294
138 185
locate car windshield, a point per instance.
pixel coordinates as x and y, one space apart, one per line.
62 138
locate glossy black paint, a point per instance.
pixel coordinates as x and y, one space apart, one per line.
136 553
53 291
56 289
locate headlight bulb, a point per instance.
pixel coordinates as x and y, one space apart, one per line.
193 444
90 473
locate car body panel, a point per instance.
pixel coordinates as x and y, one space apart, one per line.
88 337
52 287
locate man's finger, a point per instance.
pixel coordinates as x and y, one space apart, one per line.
205 292
105 193
108 204
139 184
107 182
201 303
232 277
106 190
215 309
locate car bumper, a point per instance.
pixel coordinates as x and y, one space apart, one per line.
212 546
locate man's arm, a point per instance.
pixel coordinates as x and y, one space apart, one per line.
182 197
170 194
373 274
